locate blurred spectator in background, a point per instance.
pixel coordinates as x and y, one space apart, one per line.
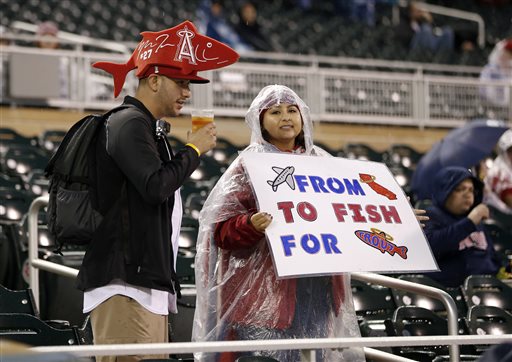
210 20
47 32
249 29
499 178
498 68
4 36
48 39
360 11
418 32
302 4
455 231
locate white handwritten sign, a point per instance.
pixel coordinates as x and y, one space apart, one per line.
333 215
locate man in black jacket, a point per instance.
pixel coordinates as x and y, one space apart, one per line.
128 274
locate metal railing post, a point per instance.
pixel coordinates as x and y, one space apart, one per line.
33 251
33 245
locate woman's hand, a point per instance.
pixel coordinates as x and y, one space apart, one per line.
261 220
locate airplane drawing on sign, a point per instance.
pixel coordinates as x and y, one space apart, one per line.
283 175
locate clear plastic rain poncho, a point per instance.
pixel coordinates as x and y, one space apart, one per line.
238 294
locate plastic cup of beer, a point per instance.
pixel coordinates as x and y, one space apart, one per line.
200 118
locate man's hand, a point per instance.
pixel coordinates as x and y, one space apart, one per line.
421 216
261 220
204 138
479 213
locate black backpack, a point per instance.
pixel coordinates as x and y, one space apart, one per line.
72 208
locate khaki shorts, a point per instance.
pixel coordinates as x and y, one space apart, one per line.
121 320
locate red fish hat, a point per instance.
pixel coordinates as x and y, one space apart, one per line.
178 52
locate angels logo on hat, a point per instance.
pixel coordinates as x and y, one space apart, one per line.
178 52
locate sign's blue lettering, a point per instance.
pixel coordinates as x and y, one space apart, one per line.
330 185
311 244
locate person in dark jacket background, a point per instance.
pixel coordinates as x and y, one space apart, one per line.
455 231
128 274
249 29
212 21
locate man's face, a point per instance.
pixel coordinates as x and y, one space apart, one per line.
461 198
173 94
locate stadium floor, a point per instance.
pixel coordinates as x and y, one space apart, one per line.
33 121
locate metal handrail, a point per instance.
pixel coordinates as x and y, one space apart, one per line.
461 14
281 344
446 299
455 13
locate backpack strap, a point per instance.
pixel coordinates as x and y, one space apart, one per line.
124 233
92 179
118 108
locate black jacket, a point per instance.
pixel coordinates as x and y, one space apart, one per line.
136 185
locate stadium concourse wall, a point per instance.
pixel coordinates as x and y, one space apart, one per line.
353 100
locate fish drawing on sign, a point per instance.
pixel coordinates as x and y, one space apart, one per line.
283 175
381 190
382 241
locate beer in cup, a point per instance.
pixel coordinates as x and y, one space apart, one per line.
200 118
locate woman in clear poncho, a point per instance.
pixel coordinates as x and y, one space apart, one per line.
238 294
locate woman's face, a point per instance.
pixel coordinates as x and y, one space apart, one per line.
283 123
461 198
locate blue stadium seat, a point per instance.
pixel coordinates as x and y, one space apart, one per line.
17 301
418 321
20 160
372 302
31 330
406 298
361 151
484 319
402 155
487 290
